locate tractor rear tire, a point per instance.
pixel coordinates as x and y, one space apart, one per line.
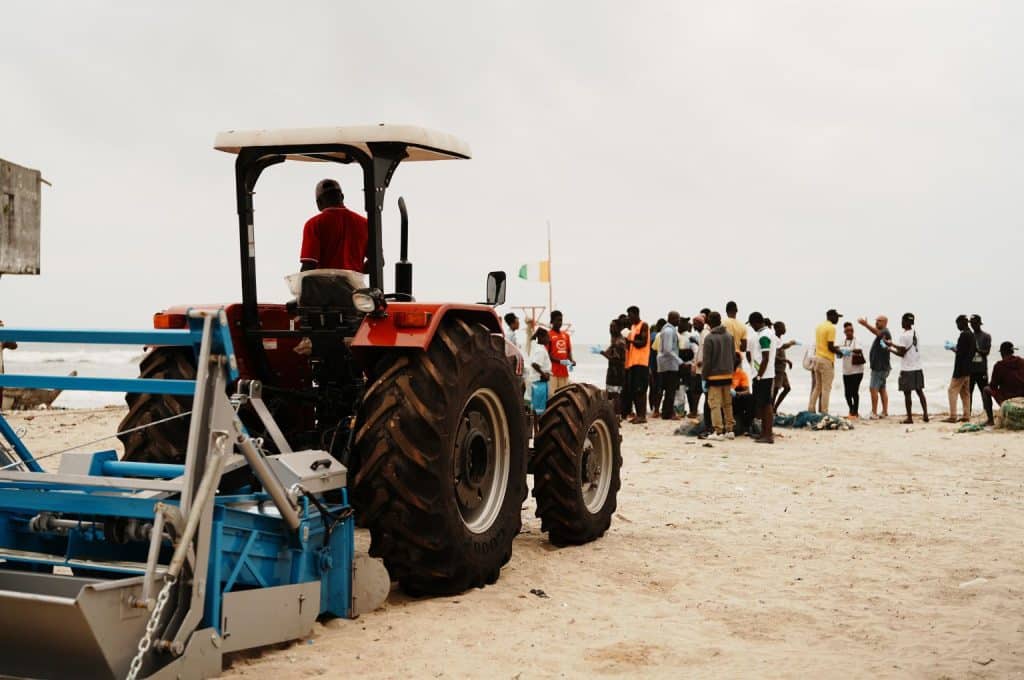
576 465
164 443
441 455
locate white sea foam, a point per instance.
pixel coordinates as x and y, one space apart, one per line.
101 357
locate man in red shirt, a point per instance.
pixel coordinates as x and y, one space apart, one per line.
336 237
1007 375
560 350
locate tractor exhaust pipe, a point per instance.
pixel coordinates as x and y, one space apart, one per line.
403 268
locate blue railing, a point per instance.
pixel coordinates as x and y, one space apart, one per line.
190 337
164 338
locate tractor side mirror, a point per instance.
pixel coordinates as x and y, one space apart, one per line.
496 288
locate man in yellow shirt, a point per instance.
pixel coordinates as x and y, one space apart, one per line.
825 354
736 328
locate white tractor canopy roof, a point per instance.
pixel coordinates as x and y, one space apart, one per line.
421 144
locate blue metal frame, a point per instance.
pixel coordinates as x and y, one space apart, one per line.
163 338
68 382
8 433
192 337
247 548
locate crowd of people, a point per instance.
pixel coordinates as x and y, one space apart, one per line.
741 369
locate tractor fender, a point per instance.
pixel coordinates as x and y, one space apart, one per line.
412 325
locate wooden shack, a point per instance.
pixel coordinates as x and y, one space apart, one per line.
19 219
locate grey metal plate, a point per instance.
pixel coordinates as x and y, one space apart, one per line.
264 616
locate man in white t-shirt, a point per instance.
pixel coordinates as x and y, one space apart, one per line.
907 347
511 330
762 369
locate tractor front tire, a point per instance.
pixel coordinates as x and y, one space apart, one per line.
576 465
441 453
166 442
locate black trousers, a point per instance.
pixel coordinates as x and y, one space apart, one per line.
654 396
669 387
851 389
743 412
981 382
638 379
694 390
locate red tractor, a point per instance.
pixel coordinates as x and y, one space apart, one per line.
423 402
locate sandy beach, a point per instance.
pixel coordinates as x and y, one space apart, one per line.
886 551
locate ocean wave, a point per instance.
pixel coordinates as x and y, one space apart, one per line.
104 357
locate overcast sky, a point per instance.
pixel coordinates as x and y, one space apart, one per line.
792 156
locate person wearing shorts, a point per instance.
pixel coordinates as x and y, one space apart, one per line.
878 379
878 363
911 370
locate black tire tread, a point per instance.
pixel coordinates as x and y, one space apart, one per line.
164 443
557 465
400 442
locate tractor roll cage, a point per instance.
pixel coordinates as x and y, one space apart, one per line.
378 166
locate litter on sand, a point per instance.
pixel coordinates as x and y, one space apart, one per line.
816 421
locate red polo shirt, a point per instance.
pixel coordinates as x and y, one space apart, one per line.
560 347
335 239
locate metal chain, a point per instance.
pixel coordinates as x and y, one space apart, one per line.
101 439
154 620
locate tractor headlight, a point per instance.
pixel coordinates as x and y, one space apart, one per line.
369 301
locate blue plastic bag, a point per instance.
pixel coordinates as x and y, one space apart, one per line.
539 397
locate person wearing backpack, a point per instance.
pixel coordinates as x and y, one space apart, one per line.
911 380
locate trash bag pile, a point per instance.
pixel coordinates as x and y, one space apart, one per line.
816 421
1013 413
690 430
833 423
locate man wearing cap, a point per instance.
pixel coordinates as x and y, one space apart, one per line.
1007 375
979 366
825 353
336 237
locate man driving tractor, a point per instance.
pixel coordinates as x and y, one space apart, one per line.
335 238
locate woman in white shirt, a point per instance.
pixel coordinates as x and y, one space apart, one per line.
853 369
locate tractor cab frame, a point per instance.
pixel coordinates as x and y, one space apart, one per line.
378 150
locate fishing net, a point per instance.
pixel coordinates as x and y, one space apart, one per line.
1013 413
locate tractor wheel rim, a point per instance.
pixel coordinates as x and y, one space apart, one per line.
596 467
481 460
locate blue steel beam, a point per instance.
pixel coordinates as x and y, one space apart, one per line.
114 468
8 433
89 384
166 338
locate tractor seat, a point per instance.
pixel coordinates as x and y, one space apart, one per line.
325 289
